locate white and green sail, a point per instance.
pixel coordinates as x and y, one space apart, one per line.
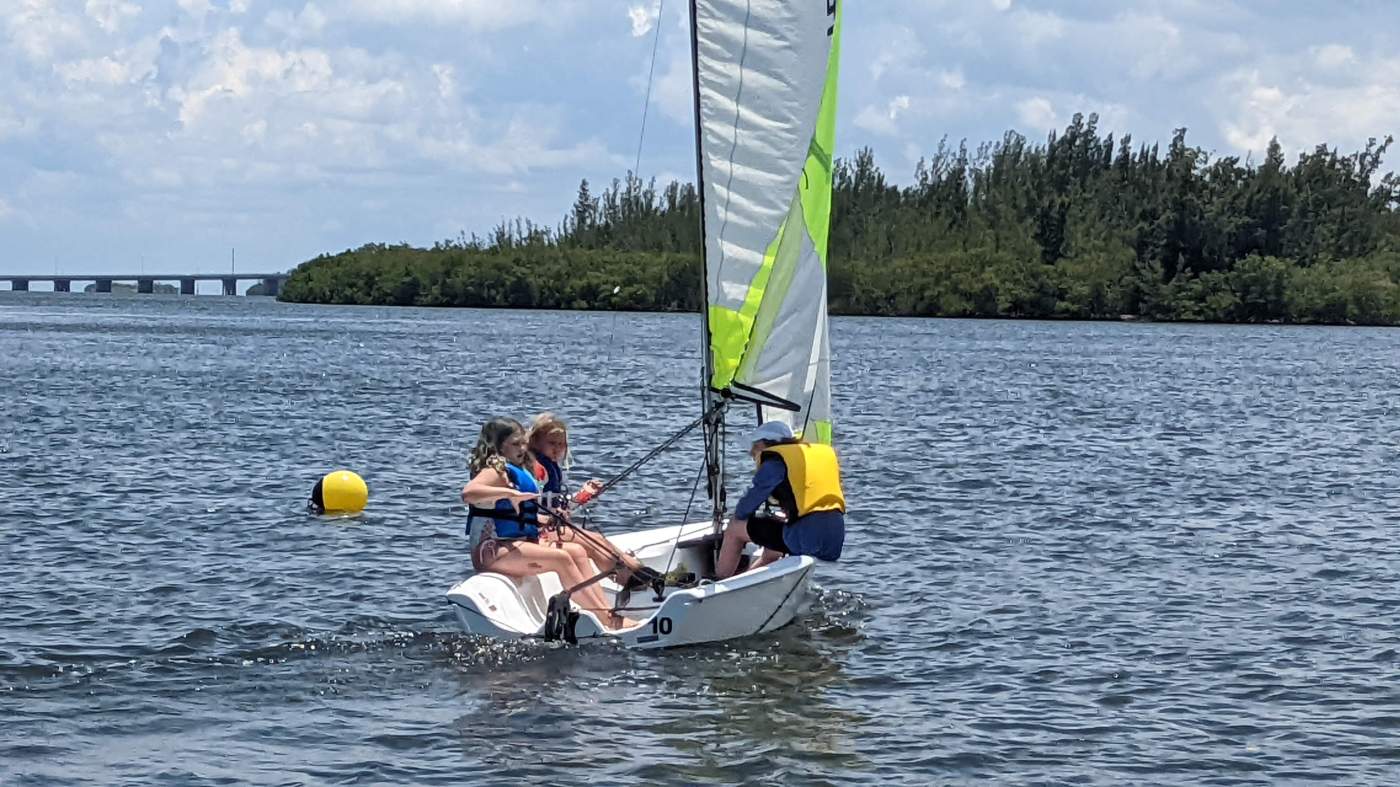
766 100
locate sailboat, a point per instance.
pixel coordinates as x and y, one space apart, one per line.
765 75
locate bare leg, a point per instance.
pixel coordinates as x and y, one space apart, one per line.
520 559
591 597
601 550
736 535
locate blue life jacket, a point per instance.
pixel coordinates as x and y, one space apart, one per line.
507 523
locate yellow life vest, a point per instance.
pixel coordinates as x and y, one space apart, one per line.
814 475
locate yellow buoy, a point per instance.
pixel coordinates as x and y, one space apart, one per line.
339 492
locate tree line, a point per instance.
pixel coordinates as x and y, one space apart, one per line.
1079 226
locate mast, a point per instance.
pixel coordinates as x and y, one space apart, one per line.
714 419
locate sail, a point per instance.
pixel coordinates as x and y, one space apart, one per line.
766 101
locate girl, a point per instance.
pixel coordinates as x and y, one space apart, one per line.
549 448
548 441
504 524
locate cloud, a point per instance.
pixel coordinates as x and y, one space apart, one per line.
673 89
196 8
1302 113
167 122
1334 56
883 121
110 15
180 109
900 51
1035 27
307 23
475 15
642 18
103 70
1038 113
43 33
446 80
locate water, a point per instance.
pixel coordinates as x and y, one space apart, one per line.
1088 553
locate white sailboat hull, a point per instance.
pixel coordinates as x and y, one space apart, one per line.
755 602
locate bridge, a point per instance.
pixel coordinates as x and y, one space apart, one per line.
146 282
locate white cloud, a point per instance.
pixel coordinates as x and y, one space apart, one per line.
1302 113
883 121
304 24
1035 27
5 210
642 18
103 70
1157 45
1334 56
1038 113
110 14
195 8
44 33
12 123
475 15
446 81
900 50
673 89
191 118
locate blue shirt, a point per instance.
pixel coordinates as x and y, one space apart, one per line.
820 534
771 473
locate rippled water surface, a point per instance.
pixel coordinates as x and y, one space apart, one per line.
1087 553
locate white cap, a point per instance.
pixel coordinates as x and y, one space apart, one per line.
771 431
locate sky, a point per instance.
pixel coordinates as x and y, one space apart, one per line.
168 137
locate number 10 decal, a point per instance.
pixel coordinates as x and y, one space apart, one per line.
661 626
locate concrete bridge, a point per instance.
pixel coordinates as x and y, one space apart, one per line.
146 282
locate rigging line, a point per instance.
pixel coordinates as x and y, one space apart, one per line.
693 490
807 412
660 10
632 468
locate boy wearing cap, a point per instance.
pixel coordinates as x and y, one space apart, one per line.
805 480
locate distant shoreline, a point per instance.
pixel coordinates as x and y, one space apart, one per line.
1122 318
1260 291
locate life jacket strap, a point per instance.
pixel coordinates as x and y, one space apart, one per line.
508 516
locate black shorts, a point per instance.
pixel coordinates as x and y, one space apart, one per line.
767 532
